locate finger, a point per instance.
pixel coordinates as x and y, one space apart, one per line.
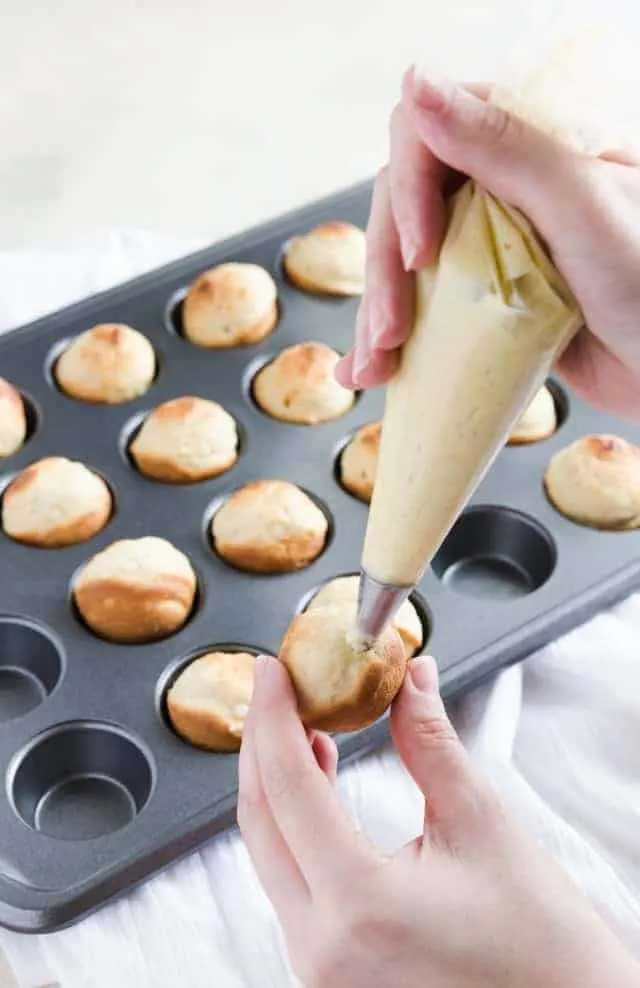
416 179
389 288
600 378
277 871
361 343
511 158
304 803
381 367
623 156
458 802
344 370
325 752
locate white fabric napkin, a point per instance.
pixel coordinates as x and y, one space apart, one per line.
559 735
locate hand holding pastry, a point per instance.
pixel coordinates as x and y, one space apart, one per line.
471 902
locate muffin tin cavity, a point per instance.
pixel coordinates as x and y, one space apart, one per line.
561 401
30 667
33 416
173 313
81 781
496 553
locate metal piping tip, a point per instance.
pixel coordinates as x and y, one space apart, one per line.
378 604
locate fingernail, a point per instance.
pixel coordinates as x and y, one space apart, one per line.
343 373
424 674
262 666
360 363
431 90
410 252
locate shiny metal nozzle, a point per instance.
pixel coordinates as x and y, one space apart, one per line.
378 604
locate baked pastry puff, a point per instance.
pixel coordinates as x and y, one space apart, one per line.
299 386
108 364
340 686
328 260
343 592
209 700
539 421
269 526
359 461
230 305
136 590
13 419
596 482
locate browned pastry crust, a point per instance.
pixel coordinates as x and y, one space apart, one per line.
208 701
110 363
328 260
186 440
338 687
595 482
55 502
230 305
136 590
359 461
269 526
299 386
13 419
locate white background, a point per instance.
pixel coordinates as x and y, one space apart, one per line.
204 116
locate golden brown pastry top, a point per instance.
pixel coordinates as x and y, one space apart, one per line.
299 385
359 461
539 420
55 502
13 419
269 526
596 481
230 305
186 439
329 259
110 363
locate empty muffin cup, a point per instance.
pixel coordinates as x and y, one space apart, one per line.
80 781
496 553
30 667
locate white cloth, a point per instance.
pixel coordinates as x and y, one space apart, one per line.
559 734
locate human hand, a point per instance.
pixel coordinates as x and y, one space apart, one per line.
471 902
587 210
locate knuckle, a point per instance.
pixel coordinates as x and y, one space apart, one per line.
282 779
498 127
434 730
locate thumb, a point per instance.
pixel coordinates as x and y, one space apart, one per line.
510 158
460 804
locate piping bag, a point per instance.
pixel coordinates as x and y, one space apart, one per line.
492 315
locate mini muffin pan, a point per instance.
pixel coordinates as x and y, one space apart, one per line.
98 791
